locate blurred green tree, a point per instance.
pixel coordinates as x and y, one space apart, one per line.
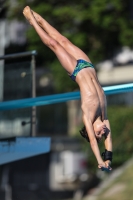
97 27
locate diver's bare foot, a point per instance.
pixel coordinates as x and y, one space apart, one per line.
38 18
28 15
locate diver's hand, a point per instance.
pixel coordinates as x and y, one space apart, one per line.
107 163
105 166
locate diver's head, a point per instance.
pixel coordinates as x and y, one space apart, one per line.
99 129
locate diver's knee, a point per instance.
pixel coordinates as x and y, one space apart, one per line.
64 41
53 43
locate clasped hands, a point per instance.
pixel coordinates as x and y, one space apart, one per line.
105 166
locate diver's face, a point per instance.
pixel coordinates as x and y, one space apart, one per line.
100 130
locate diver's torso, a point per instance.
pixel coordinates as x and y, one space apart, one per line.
92 95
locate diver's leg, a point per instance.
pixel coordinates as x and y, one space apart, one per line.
66 60
62 40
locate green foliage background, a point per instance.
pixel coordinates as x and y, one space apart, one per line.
98 27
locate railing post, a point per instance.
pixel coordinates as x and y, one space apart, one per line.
2 50
33 114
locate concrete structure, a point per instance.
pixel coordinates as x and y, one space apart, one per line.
116 75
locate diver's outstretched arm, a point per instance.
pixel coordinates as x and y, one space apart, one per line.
94 146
